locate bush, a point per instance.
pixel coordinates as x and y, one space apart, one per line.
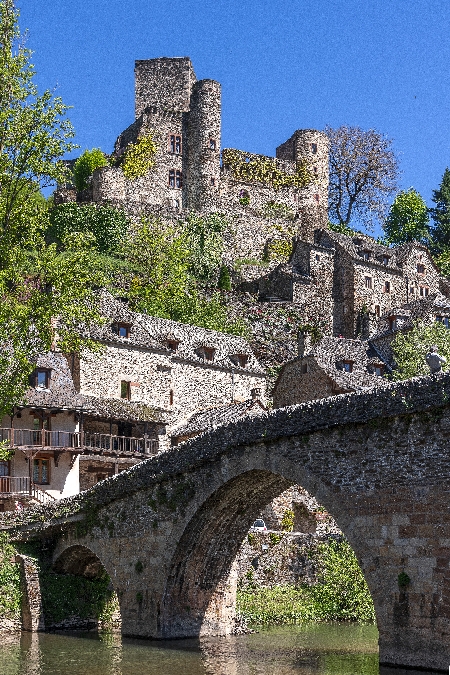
224 279
287 522
139 157
85 166
107 224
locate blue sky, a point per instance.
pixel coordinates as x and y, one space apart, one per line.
283 65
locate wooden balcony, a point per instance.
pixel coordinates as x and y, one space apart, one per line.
22 487
79 442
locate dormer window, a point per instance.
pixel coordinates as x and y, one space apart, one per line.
366 255
240 360
385 260
420 268
122 329
368 282
173 345
347 366
207 353
41 378
379 369
175 144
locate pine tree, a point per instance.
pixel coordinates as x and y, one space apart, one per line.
440 229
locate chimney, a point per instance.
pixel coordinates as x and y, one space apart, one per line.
303 344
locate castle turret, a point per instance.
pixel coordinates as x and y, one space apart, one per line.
203 157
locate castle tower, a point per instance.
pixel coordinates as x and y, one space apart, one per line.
165 83
312 146
203 156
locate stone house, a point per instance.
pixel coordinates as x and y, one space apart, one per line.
88 418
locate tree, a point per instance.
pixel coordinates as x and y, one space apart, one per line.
409 349
363 174
108 225
204 237
48 295
407 219
34 133
440 214
85 166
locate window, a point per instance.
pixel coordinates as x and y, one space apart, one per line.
423 291
392 322
4 468
387 286
411 290
122 330
314 148
101 476
207 353
304 368
41 471
377 310
366 255
385 260
172 345
443 319
315 170
171 397
317 198
368 282
125 389
317 257
175 144
420 268
347 366
42 378
172 178
241 360
213 181
379 370
178 180
212 144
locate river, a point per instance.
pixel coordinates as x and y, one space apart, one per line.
314 649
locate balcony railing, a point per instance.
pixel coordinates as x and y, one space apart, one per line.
76 440
20 486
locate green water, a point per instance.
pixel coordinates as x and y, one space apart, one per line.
319 649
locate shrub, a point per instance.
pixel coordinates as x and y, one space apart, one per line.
287 522
85 166
224 279
139 157
107 224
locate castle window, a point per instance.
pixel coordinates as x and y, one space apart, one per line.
317 198
213 181
385 260
347 366
392 322
212 144
314 148
377 310
172 345
443 319
315 170
379 370
171 397
175 144
4 467
420 268
125 390
317 257
366 255
368 282
172 178
387 286
207 353
304 368
423 291
178 179
241 360
41 471
411 290
123 330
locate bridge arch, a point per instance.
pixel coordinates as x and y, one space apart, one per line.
200 593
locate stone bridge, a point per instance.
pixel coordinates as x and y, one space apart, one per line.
167 531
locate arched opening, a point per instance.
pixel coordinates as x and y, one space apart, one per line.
77 592
201 588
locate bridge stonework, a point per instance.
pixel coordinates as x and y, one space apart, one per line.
167 531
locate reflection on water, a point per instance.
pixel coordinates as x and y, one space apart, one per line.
323 649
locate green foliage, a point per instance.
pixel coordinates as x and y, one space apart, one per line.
107 224
341 593
162 283
10 593
139 157
274 209
252 539
204 239
287 522
278 249
409 349
34 133
224 282
139 567
442 260
403 580
85 166
342 228
407 219
261 169
6 453
313 330
440 214
274 538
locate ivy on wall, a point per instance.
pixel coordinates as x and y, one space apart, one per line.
258 168
139 157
